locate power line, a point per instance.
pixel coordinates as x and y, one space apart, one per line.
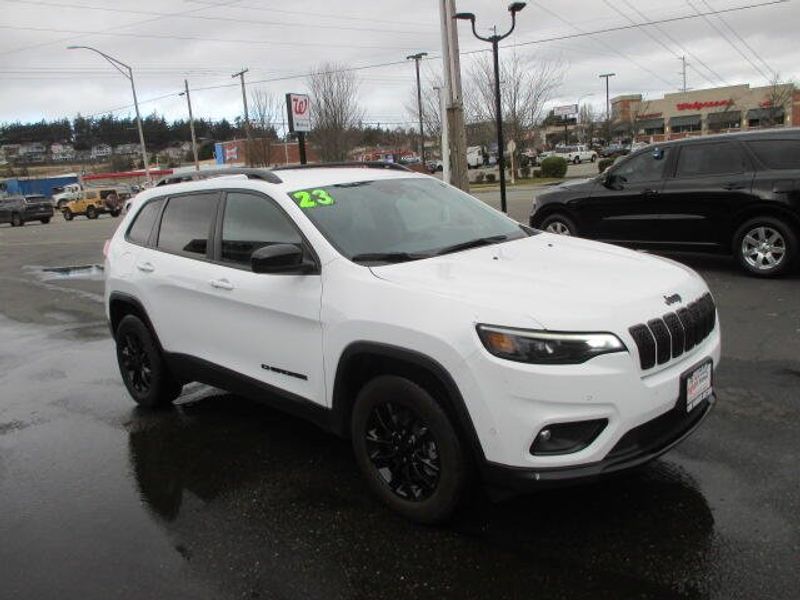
685 50
545 40
606 44
741 39
270 23
727 39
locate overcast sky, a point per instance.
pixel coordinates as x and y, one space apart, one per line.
206 41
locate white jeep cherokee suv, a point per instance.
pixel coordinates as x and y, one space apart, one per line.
439 335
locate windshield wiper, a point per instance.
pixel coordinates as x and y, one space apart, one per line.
389 257
484 241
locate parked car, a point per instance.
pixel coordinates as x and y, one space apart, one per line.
433 331
71 191
737 194
576 154
614 150
18 210
476 157
94 202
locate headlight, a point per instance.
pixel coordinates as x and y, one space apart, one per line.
547 347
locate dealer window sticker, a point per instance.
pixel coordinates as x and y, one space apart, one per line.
313 198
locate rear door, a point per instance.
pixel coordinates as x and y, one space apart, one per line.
624 208
712 181
174 274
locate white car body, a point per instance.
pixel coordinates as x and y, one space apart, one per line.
430 307
576 154
475 157
72 191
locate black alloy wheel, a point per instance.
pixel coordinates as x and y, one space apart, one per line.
91 213
68 214
403 451
142 366
407 449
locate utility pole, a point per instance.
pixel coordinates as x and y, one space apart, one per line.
606 76
454 117
416 58
191 124
442 95
495 40
683 73
240 74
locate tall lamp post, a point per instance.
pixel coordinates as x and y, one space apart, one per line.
607 76
416 58
127 72
494 40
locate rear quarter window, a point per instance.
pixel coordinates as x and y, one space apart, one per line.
142 226
777 154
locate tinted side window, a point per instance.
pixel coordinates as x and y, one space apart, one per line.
777 154
710 159
139 231
252 222
186 223
648 166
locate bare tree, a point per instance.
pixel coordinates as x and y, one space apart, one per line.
778 100
266 116
525 87
588 122
335 111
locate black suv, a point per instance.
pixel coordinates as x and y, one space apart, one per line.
17 210
731 193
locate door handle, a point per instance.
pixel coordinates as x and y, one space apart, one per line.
650 193
221 284
733 186
145 267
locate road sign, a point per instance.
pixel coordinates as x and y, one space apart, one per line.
565 111
298 107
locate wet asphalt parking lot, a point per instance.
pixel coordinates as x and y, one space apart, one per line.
224 498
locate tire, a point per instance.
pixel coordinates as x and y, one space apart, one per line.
61 204
576 160
594 158
424 477
16 220
91 212
142 366
765 246
559 224
68 216
114 213
45 221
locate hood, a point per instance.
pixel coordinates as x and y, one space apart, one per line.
573 183
558 282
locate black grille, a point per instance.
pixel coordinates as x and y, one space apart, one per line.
674 333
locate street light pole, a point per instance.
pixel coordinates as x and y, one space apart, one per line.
191 124
495 39
416 58
126 72
606 76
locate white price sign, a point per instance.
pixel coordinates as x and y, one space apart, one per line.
298 107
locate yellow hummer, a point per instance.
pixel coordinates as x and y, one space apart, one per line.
95 202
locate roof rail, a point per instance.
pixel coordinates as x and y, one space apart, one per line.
351 164
251 173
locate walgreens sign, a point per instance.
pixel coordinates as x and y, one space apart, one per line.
701 105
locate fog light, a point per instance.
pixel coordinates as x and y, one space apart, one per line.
565 438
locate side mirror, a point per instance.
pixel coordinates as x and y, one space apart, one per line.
607 178
280 258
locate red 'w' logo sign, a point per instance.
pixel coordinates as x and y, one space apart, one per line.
300 106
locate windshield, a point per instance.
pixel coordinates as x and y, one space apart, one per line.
402 219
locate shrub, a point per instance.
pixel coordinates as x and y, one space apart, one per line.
479 177
554 166
491 177
604 163
525 172
537 173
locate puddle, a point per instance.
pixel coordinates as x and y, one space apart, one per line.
85 272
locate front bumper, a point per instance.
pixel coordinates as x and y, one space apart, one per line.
637 447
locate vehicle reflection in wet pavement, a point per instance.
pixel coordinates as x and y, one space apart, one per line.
299 522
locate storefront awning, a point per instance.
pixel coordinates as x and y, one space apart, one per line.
650 124
690 120
764 113
730 116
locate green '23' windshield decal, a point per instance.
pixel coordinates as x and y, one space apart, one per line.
313 198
